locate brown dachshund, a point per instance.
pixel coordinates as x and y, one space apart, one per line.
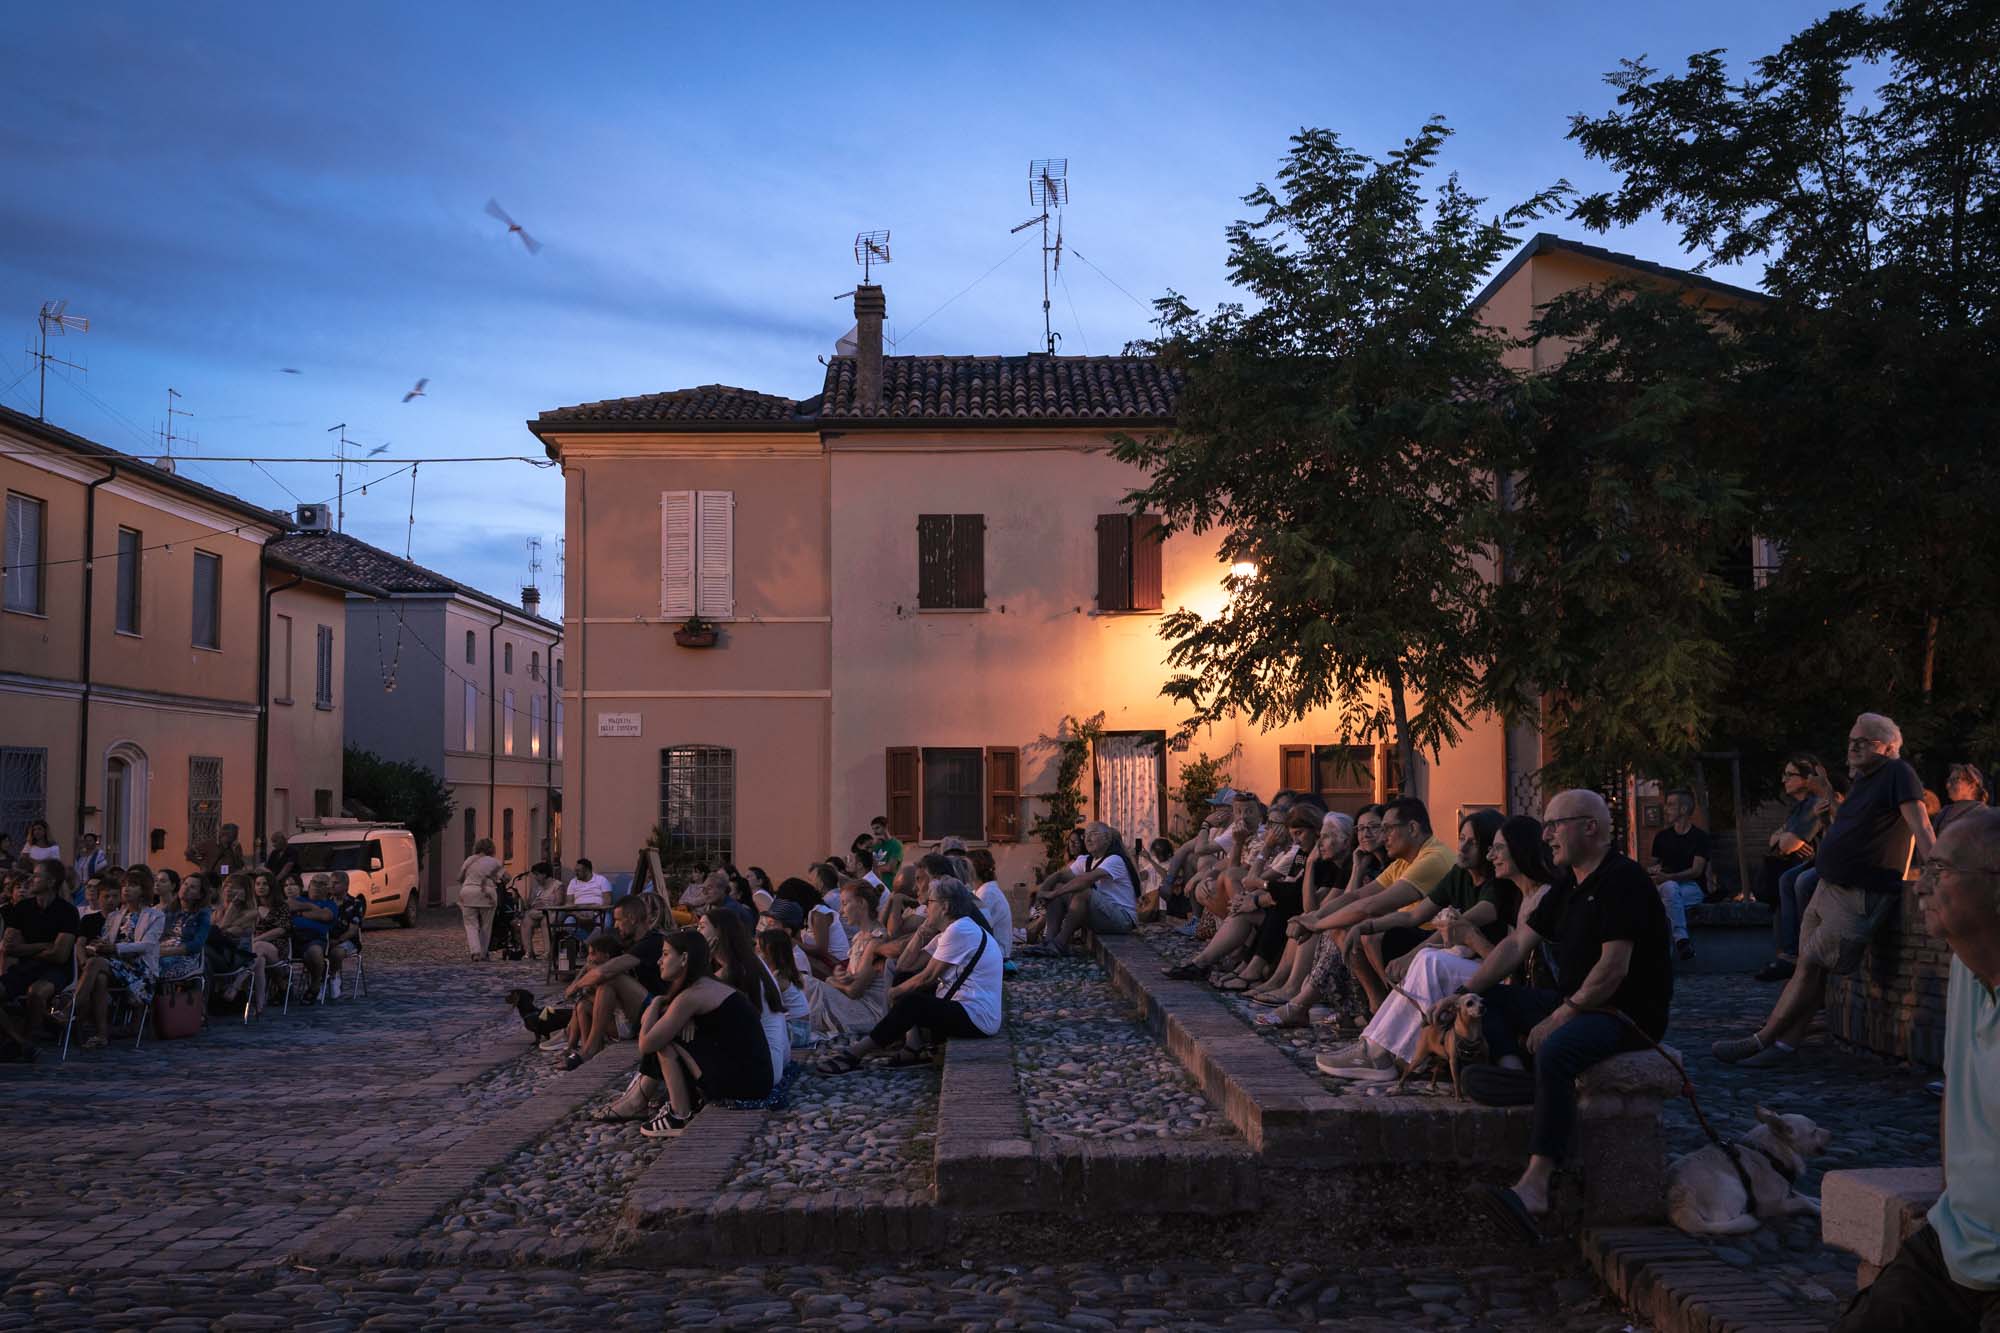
1452 1037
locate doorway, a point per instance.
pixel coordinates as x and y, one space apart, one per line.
1131 783
122 825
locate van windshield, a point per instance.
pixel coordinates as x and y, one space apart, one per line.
334 855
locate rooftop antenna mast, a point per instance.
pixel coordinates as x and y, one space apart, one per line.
53 320
1048 190
173 396
340 479
870 248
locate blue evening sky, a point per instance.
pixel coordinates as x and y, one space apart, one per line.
229 189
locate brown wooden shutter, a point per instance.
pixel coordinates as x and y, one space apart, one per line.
905 791
1295 767
934 577
1003 793
1147 586
968 557
1114 564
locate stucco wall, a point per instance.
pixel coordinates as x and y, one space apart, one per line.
305 739
405 722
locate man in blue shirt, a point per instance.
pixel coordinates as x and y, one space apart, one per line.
313 921
1947 1276
1861 861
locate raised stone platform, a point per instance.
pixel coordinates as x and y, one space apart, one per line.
1731 938
1893 1004
1289 1115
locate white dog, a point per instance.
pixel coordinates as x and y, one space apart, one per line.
1705 1195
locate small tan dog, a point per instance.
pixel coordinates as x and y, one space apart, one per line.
1452 1037
1705 1195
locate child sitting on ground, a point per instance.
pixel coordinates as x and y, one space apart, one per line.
777 950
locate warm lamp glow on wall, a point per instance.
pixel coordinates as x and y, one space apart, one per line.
1243 569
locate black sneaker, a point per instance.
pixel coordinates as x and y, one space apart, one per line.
1778 969
667 1125
1684 950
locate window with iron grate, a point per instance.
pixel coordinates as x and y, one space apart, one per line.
697 806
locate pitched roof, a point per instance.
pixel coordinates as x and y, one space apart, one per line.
707 404
1023 390
343 557
138 468
1548 242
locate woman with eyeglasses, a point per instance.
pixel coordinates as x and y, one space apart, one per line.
1788 864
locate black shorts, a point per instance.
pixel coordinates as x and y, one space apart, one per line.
22 974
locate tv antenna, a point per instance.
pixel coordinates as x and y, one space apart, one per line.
340 479
53 320
870 248
534 561
167 433
1048 190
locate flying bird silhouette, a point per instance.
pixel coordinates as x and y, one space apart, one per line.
417 392
493 209
287 370
382 448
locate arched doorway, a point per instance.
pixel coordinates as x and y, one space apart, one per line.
122 822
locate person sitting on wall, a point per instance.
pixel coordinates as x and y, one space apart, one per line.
1860 862
993 904
1964 791
1679 867
1329 870
1946 1277
1340 976
1104 895
1788 858
1614 984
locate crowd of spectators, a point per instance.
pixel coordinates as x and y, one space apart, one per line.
87 942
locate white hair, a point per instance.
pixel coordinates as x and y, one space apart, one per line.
1877 727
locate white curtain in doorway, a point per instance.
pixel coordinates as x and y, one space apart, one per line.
1128 787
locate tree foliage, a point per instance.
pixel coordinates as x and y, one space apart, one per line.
1332 425
396 790
1864 391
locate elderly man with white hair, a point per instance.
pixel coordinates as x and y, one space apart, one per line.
1947 1275
1603 921
1861 860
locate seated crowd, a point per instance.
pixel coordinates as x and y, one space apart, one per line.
86 939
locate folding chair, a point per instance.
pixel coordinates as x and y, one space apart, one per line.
122 1004
249 990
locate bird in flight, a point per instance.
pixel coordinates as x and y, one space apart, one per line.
493 209
381 448
287 370
417 392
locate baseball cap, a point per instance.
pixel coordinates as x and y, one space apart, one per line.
1223 797
786 913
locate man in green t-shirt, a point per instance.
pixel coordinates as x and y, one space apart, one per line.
886 848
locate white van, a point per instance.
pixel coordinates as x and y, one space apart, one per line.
379 860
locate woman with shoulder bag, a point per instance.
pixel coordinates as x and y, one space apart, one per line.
478 894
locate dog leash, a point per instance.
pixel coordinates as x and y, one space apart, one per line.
1731 1149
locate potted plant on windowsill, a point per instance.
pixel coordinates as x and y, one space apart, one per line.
696 633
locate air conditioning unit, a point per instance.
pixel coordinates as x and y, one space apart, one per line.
314 518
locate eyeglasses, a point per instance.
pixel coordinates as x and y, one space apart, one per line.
1548 824
1862 742
1931 867
1386 827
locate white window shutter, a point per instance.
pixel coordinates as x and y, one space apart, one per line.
716 566
676 554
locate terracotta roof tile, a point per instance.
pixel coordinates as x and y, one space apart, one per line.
1039 389
705 403
355 561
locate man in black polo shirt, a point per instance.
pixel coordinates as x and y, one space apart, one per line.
1603 920
1861 860
41 942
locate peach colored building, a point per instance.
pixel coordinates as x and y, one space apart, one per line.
912 578
131 684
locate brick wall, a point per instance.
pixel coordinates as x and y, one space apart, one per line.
1893 1004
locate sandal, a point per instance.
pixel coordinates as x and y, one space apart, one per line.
1232 984
907 1059
1276 1019
1184 972
1267 999
1506 1211
840 1062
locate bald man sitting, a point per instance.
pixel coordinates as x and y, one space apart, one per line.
1603 920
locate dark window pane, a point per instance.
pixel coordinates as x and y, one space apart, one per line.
697 807
128 581
207 600
954 802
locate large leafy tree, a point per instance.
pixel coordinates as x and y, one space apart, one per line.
1865 392
393 789
1335 424
1626 508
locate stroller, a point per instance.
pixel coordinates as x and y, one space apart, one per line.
505 936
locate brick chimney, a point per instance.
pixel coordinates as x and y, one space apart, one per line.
869 309
531 599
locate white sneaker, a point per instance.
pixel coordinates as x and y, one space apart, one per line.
333 989
1357 1062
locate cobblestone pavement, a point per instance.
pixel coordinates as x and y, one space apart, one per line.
872 1128
1878 1111
1089 1068
162 1189
972 1297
